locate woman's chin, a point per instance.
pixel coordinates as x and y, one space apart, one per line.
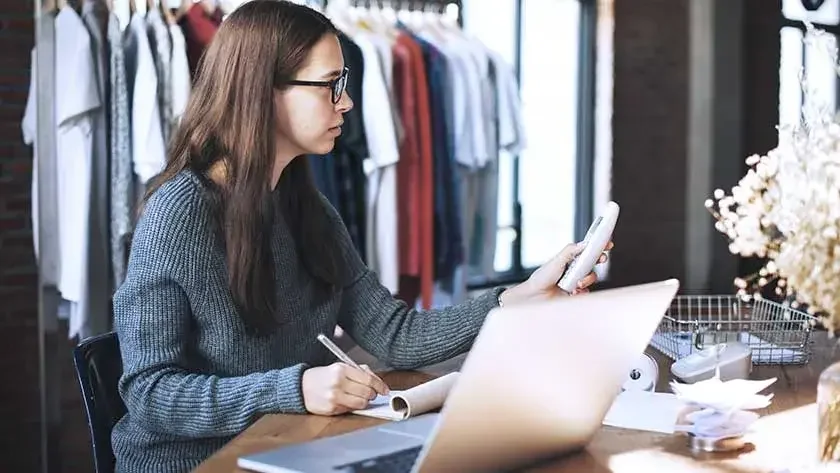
323 148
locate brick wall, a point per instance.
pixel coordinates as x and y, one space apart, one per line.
649 175
18 309
649 138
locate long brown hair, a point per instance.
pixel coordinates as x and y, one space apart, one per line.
230 119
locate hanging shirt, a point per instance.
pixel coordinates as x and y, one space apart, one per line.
512 136
199 28
461 97
380 167
415 173
484 131
408 169
95 307
161 48
384 42
474 154
351 149
122 188
509 137
40 107
148 149
448 243
180 80
77 100
482 197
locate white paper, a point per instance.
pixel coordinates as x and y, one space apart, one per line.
643 410
380 407
401 405
725 396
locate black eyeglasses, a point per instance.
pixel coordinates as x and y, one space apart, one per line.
336 85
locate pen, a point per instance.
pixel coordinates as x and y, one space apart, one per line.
338 352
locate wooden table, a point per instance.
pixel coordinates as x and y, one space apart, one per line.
784 441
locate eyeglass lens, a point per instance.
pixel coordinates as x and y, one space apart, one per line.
338 87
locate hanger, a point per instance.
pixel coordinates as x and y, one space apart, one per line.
365 16
404 14
416 16
389 12
384 19
450 21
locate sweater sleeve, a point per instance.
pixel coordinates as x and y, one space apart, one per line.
153 319
405 338
395 333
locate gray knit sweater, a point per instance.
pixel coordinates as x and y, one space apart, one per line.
194 378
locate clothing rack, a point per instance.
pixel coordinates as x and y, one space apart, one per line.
426 5
101 271
53 344
438 6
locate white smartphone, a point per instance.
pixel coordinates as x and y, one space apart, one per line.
596 240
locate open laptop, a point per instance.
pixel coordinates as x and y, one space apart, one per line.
536 384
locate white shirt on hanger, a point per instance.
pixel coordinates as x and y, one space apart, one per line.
380 166
384 45
475 62
181 85
40 106
148 149
467 80
511 127
76 98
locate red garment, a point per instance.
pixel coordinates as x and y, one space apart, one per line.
199 28
408 167
414 170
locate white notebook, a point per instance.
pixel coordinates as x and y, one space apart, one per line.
401 405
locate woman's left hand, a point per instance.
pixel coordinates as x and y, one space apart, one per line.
542 285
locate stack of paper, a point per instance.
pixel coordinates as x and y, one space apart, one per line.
722 408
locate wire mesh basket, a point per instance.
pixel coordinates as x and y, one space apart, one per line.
775 333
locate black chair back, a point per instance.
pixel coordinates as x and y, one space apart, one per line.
99 367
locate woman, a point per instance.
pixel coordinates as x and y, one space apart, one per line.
237 262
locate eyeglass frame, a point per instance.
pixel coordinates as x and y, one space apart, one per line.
330 84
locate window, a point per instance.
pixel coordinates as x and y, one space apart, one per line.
498 31
814 59
549 107
538 194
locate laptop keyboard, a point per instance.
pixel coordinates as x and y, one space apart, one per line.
400 461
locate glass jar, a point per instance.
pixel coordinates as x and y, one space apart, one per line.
828 403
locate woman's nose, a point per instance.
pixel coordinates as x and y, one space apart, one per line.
345 103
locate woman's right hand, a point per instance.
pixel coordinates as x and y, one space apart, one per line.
339 388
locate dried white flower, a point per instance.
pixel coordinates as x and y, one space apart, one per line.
786 208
